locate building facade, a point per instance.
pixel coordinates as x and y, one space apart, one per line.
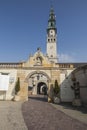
38 71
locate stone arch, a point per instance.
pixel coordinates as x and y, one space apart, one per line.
42 88
37 78
37 72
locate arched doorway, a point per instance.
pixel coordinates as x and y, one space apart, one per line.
38 82
42 88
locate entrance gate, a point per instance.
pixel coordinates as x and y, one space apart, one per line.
42 88
38 82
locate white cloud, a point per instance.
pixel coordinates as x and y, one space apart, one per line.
65 58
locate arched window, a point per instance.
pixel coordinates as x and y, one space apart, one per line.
51 55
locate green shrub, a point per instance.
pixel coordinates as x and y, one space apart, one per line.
56 88
17 86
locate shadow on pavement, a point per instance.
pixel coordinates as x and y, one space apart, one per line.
39 98
82 108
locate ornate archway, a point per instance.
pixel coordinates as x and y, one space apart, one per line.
37 72
37 82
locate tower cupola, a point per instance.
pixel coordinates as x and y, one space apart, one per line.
52 37
52 20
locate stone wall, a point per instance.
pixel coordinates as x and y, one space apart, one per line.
81 76
23 93
66 93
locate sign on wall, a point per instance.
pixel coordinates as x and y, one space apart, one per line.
4 82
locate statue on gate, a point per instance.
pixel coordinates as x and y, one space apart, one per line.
76 89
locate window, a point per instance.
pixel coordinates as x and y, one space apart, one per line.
51 55
48 40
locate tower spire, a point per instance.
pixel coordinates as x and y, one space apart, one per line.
51 4
52 20
52 36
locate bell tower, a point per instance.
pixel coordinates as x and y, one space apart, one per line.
52 38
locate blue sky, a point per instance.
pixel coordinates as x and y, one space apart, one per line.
23 26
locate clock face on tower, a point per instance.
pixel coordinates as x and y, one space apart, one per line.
52 32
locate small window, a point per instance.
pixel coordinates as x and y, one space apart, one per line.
51 40
48 40
51 55
51 31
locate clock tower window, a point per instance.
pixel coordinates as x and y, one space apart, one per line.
48 40
51 55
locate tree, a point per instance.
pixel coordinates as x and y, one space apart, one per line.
17 86
56 88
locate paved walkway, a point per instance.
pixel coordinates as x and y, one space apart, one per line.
79 113
40 115
11 117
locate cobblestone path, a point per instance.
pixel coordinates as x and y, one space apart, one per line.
41 115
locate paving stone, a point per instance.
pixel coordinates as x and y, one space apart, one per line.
11 117
41 115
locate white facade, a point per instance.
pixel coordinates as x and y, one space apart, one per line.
81 76
52 46
7 84
66 93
